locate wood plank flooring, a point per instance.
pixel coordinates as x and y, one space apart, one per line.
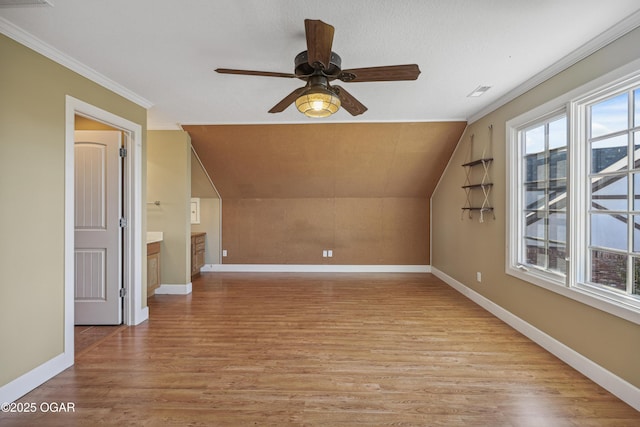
322 350
86 337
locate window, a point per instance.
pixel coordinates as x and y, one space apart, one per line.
544 202
573 177
613 192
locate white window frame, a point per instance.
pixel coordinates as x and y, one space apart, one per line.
574 104
580 168
515 182
518 178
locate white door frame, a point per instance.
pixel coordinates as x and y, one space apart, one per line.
133 312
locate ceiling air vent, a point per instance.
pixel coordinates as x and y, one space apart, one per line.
25 3
479 91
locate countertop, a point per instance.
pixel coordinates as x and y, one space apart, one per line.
154 236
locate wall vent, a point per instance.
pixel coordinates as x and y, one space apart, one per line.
479 91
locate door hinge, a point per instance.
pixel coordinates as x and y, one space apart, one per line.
123 152
123 292
123 222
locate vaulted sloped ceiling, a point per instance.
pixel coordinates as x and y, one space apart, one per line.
361 160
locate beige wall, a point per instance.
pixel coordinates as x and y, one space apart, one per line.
32 143
210 213
210 223
360 231
169 181
462 248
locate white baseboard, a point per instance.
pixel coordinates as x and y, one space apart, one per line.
174 289
624 390
34 378
314 268
142 314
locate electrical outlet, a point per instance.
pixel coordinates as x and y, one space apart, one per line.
224 252
330 253
479 276
324 253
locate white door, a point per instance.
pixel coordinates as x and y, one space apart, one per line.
98 184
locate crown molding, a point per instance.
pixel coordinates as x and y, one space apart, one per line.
163 126
623 27
23 37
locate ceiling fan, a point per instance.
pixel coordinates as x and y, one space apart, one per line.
319 66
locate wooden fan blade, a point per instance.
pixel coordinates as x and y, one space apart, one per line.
253 73
288 100
381 74
319 42
348 102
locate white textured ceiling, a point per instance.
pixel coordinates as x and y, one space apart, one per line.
165 51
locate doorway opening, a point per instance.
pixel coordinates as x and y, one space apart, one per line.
133 311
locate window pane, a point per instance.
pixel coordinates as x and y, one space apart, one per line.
557 255
636 233
609 193
535 166
558 193
534 195
636 276
558 133
558 164
609 269
636 191
534 140
536 253
535 223
636 149
609 231
558 226
609 155
558 202
636 107
609 116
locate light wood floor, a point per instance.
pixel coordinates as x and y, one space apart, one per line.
87 337
322 350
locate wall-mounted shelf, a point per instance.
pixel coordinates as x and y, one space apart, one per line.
484 185
478 162
478 185
478 209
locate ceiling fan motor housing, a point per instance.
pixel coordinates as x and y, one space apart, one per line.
304 69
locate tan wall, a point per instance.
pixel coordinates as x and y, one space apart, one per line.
169 181
295 231
210 214
360 189
200 183
461 248
210 223
84 123
32 150
317 160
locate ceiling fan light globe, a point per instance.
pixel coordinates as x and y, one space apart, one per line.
321 103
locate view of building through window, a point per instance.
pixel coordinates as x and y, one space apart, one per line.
614 192
573 195
545 194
